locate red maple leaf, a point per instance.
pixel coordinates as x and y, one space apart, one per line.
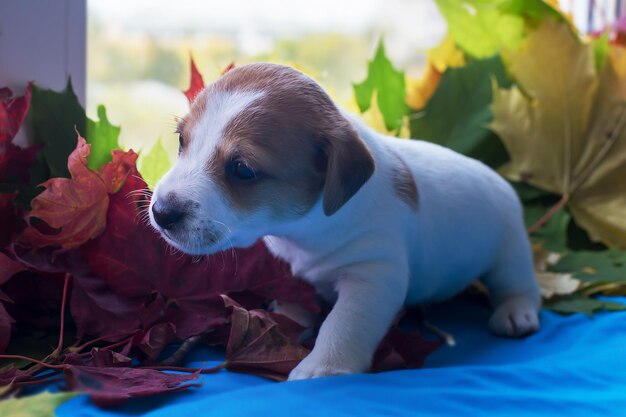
228 68
196 84
12 112
14 161
113 385
9 222
76 208
125 278
262 343
403 350
8 268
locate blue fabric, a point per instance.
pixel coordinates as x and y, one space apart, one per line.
575 366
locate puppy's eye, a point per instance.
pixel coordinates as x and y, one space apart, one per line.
181 142
242 171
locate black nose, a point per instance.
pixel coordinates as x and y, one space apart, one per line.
167 216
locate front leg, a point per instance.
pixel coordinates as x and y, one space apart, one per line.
359 320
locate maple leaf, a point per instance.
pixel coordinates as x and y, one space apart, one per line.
565 131
574 303
97 311
154 340
593 266
483 27
12 112
228 68
420 91
75 209
480 27
388 84
155 164
14 161
403 350
109 386
115 173
103 138
150 286
54 119
76 206
8 268
468 134
39 405
262 343
440 58
5 328
196 84
9 220
98 358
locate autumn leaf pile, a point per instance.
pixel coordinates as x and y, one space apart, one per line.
90 293
91 296
515 85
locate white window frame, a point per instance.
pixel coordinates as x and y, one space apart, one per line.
43 41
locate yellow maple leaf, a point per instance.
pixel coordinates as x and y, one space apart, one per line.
418 92
564 126
446 55
374 118
443 56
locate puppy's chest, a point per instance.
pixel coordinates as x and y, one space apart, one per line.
304 264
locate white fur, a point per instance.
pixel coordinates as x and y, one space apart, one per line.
199 188
377 253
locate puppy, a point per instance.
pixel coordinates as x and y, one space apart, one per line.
373 222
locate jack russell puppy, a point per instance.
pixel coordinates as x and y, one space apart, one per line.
374 223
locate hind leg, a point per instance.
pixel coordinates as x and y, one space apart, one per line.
514 292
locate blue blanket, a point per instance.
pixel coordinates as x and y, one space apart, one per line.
575 366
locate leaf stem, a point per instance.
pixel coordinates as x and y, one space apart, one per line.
117 344
33 360
59 348
85 345
183 369
36 382
553 210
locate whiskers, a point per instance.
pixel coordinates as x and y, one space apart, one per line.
233 252
141 198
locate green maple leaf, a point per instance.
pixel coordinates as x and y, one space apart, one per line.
575 303
390 87
457 114
54 119
155 163
594 266
479 27
103 138
600 50
483 27
535 10
40 405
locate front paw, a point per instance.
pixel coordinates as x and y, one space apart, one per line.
315 366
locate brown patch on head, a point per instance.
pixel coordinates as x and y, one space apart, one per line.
404 183
293 136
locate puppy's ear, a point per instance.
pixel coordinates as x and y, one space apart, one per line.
349 165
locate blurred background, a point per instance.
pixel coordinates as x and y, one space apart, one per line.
133 56
138 52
